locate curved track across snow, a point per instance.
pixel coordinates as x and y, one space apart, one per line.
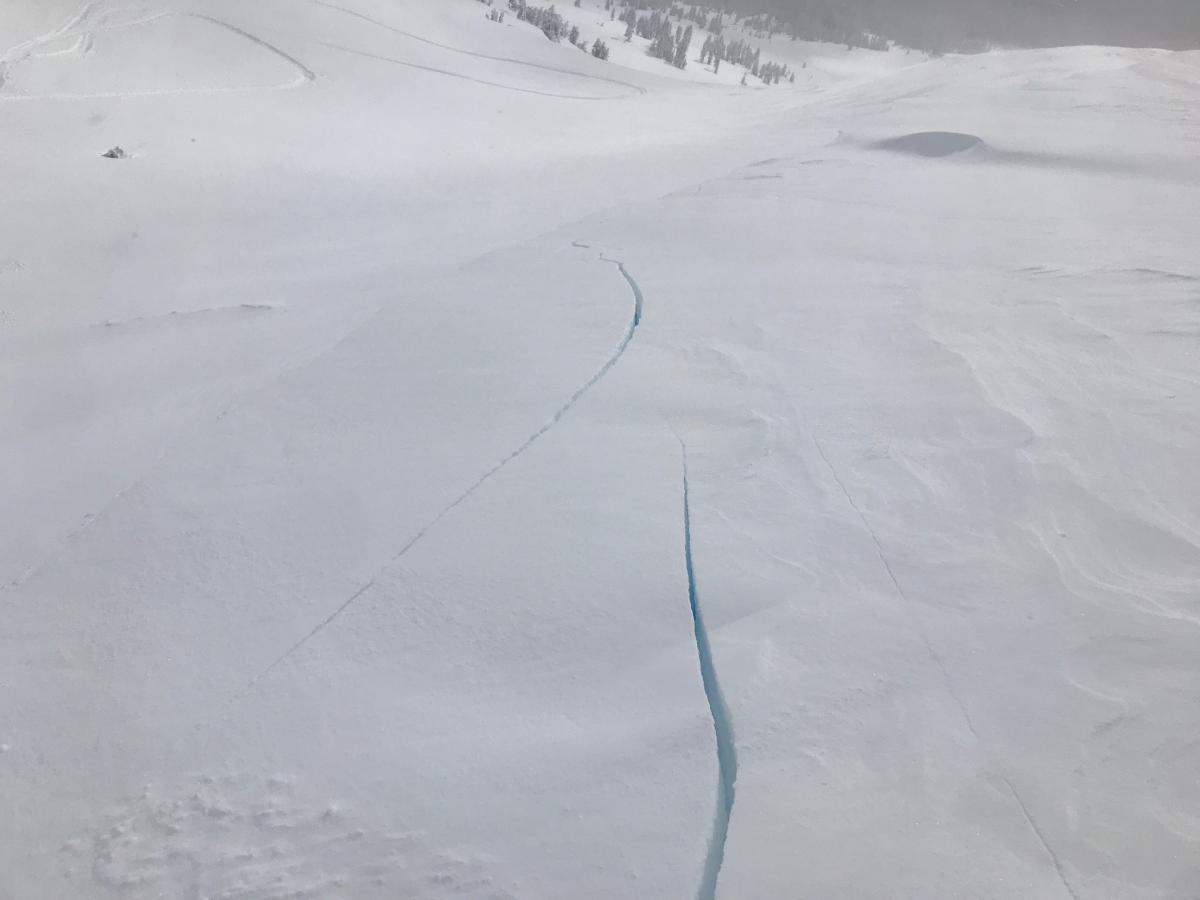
558 70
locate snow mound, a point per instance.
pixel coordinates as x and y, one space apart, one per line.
931 143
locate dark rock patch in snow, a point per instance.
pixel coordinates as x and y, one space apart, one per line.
931 144
115 153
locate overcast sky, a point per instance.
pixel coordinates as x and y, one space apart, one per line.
1169 23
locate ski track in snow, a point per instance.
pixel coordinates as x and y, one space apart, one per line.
308 75
452 74
86 39
63 30
622 346
722 722
937 660
476 55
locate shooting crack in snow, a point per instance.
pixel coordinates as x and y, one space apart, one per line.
945 673
722 722
328 296
622 346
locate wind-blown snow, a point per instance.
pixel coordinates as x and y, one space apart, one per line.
348 550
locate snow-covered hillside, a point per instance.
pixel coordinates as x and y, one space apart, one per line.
441 463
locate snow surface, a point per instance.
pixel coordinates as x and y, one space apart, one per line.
439 463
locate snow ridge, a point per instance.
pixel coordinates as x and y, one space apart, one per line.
722 722
612 360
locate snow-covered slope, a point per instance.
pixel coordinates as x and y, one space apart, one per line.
816 66
440 463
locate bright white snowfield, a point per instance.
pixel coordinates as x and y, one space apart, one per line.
441 464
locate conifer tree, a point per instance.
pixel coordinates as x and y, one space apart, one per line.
681 49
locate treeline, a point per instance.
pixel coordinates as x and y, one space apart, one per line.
546 18
668 43
830 24
830 29
671 40
816 29
937 26
715 50
663 26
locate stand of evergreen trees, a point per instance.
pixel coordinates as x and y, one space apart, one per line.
667 44
551 23
546 18
672 42
937 26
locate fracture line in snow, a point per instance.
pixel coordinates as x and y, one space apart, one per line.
638 300
722 722
941 665
566 407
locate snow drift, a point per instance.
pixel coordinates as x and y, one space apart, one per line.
932 143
